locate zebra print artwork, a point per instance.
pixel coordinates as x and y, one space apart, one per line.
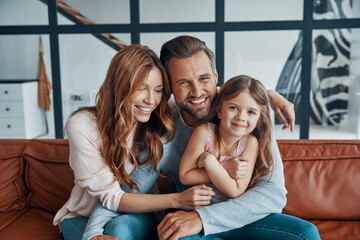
329 94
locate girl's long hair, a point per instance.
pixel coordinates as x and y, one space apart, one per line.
114 116
233 87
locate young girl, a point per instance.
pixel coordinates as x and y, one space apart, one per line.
240 127
115 148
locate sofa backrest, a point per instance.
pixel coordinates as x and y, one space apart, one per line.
34 173
322 178
48 175
12 185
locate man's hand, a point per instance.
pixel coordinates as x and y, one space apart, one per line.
103 237
281 105
236 167
179 224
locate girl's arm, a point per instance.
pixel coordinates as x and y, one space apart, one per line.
192 198
189 173
230 187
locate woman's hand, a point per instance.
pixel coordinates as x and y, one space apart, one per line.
103 237
194 197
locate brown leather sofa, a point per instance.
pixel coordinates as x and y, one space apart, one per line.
322 178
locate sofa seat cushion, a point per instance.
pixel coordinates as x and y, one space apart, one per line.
33 224
48 174
6 218
12 185
335 230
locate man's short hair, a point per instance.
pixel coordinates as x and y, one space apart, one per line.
183 47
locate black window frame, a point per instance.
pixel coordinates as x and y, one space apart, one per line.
219 27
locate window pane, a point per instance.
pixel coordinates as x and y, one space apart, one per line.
84 60
156 40
258 10
94 12
335 87
336 9
170 11
266 56
20 114
23 12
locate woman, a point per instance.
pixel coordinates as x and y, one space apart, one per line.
109 141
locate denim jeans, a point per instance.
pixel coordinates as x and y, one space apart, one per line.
124 224
275 226
73 228
137 226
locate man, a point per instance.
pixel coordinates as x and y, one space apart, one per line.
254 215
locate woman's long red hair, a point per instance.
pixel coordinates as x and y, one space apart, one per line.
115 120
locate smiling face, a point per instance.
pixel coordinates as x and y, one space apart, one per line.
239 115
148 96
193 86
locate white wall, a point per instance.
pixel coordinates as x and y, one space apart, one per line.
249 10
172 11
84 62
259 54
23 12
103 11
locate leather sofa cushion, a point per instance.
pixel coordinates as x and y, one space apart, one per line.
12 186
48 174
33 224
8 217
322 179
338 229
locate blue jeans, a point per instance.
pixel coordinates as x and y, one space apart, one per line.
275 226
73 228
123 224
137 226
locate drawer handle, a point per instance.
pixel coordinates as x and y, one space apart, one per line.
6 92
8 126
7 109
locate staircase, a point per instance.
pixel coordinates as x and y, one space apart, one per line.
76 17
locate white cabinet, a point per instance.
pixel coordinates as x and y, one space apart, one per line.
20 115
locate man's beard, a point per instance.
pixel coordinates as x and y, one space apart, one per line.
199 117
200 114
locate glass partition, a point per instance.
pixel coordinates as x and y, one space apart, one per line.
336 9
84 60
335 84
93 12
263 10
23 12
22 114
173 11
